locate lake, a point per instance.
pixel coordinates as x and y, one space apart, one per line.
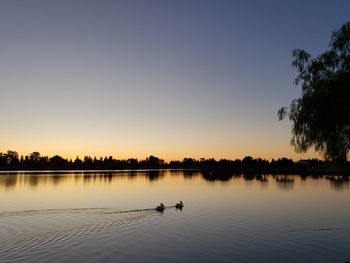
110 217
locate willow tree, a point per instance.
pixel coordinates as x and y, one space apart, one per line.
321 116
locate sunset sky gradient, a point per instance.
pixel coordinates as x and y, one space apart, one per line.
170 78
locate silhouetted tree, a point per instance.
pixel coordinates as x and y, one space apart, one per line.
321 116
188 162
284 163
132 163
78 164
57 162
248 161
34 156
3 158
88 164
153 162
11 159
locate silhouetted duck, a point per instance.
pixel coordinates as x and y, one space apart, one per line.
160 208
179 205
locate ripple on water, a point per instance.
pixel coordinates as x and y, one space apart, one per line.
191 235
36 234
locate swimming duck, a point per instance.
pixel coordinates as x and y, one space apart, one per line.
179 205
160 208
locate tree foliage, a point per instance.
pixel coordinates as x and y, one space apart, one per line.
223 168
321 116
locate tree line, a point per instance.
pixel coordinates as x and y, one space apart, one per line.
11 160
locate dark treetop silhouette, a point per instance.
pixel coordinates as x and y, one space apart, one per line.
321 116
211 167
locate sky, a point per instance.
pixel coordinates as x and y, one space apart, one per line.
174 79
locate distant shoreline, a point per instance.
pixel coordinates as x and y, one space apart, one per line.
210 172
35 162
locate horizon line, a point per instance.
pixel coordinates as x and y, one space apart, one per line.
98 157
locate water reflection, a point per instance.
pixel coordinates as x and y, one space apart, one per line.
213 176
8 181
283 182
262 178
339 183
154 175
189 173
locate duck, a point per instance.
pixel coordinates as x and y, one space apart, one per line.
179 205
160 208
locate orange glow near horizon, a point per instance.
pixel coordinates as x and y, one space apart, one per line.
168 156
229 142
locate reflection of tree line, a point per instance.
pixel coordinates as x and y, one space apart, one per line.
339 182
34 179
284 182
248 165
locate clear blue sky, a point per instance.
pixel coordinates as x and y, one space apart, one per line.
170 78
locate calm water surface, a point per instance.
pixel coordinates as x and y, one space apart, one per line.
108 217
